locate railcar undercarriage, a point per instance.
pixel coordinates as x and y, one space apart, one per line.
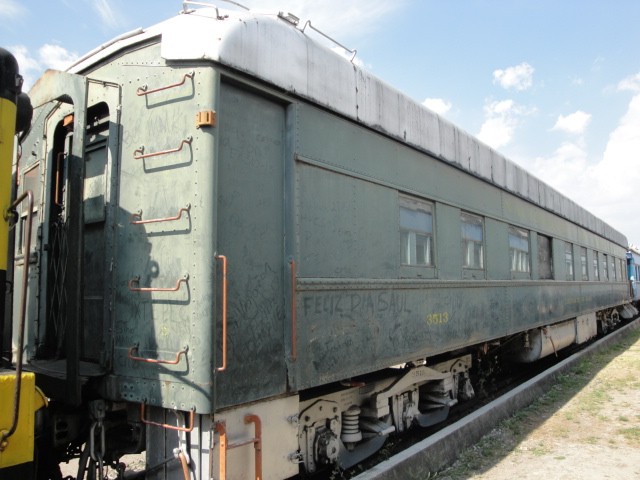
337 426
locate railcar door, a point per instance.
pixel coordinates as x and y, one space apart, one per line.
251 152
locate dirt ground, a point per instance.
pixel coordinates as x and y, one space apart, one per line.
586 427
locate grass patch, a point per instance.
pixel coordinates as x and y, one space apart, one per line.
632 434
592 440
592 397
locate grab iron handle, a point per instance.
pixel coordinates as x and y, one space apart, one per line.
138 215
143 90
136 281
192 414
138 153
175 361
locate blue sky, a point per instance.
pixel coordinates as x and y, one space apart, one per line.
552 84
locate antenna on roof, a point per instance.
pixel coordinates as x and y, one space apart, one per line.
354 52
211 5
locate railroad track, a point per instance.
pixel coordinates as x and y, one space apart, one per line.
436 447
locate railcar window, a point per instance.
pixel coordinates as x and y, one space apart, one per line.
545 263
519 249
584 264
623 271
612 268
416 232
605 272
472 241
596 270
568 260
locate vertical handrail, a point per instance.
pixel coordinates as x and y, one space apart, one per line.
294 310
225 446
222 467
257 443
223 259
23 311
59 157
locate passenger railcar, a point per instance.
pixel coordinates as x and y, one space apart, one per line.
633 270
251 257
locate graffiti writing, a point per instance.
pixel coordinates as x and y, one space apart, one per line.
356 304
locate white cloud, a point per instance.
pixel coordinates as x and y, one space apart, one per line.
29 66
607 188
620 159
56 57
11 9
48 56
575 123
107 13
438 105
565 170
577 81
519 77
631 83
501 119
617 176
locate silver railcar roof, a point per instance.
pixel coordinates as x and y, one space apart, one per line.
276 51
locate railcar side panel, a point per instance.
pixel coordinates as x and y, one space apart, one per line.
361 307
251 235
159 299
353 328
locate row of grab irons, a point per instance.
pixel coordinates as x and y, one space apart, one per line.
136 219
133 285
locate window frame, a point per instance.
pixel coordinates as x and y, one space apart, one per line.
613 268
570 274
473 220
524 257
416 205
584 264
548 264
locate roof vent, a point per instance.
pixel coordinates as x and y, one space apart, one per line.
289 17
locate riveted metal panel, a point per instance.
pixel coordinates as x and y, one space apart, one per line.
334 222
163 268
251 236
